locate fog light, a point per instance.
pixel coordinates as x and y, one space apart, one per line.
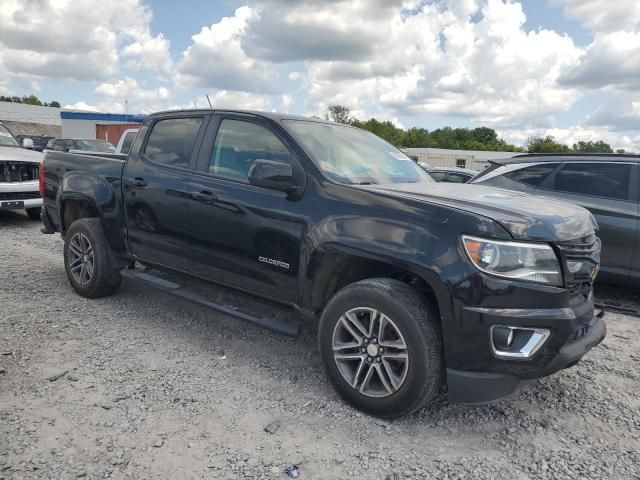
502 337
517 342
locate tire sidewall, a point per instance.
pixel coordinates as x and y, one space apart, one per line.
420 362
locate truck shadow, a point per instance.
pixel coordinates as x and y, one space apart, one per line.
15 218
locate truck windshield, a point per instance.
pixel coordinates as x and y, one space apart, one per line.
6 139
95 146
354 156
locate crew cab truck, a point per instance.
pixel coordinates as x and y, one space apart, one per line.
414 284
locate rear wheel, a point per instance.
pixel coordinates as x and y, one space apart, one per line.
89 262
380 345
33 213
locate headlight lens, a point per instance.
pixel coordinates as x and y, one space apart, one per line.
534 262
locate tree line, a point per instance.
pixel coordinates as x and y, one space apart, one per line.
480 138
29 100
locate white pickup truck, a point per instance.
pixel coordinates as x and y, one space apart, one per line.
19 169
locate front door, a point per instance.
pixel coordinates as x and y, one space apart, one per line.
244 236
156 184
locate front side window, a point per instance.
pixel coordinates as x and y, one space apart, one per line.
533 175
354 156
609 180
171 141
6 139
439 176
238 144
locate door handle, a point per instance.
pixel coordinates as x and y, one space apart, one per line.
138 182
204 196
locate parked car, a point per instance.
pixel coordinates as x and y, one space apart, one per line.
19 171
39 142
80 145
451 174
126 140
607 185
410 281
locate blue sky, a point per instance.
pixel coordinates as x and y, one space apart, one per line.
562 67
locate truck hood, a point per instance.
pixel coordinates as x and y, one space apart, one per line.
16 154
524 216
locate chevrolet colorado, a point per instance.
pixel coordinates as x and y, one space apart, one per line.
414 284
19 176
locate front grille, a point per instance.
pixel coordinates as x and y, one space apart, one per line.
583 255
14 172
19 195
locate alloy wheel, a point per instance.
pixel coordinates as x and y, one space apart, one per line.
370 352
81 259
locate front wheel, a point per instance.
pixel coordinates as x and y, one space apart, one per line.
88 260
381 348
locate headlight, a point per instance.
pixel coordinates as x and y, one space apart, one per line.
534 262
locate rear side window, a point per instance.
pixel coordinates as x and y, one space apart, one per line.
533 175
609 180
171 141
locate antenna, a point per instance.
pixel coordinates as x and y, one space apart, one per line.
210 106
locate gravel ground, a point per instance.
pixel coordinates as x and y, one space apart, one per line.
141 385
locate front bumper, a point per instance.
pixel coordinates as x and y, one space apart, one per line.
25 192
504 376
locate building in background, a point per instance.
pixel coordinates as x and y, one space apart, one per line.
441 157
43 123
104 126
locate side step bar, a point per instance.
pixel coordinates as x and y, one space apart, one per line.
274 323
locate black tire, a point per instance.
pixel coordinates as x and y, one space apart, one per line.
34 213
106 277
418 325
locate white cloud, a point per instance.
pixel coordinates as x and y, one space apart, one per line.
611 61
139 99
76 39
81 106
152 53
240 100
216 59
603 15
441 62
295 76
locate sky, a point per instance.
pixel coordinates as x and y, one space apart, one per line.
567 68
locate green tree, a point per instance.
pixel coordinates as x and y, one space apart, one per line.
54 103
592 147
621 150
546 144
339 114
31 100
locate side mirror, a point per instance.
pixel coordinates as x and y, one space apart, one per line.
272 174
27 143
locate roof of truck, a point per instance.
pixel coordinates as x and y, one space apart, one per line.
271 115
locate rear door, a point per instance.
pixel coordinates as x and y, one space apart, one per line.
244 236
156 184
610 192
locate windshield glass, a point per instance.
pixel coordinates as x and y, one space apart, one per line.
6 139
354 156
95 146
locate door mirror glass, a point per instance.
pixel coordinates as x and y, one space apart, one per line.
272 174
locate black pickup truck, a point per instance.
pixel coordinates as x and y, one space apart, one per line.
414 284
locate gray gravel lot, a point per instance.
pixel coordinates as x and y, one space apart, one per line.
141 385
